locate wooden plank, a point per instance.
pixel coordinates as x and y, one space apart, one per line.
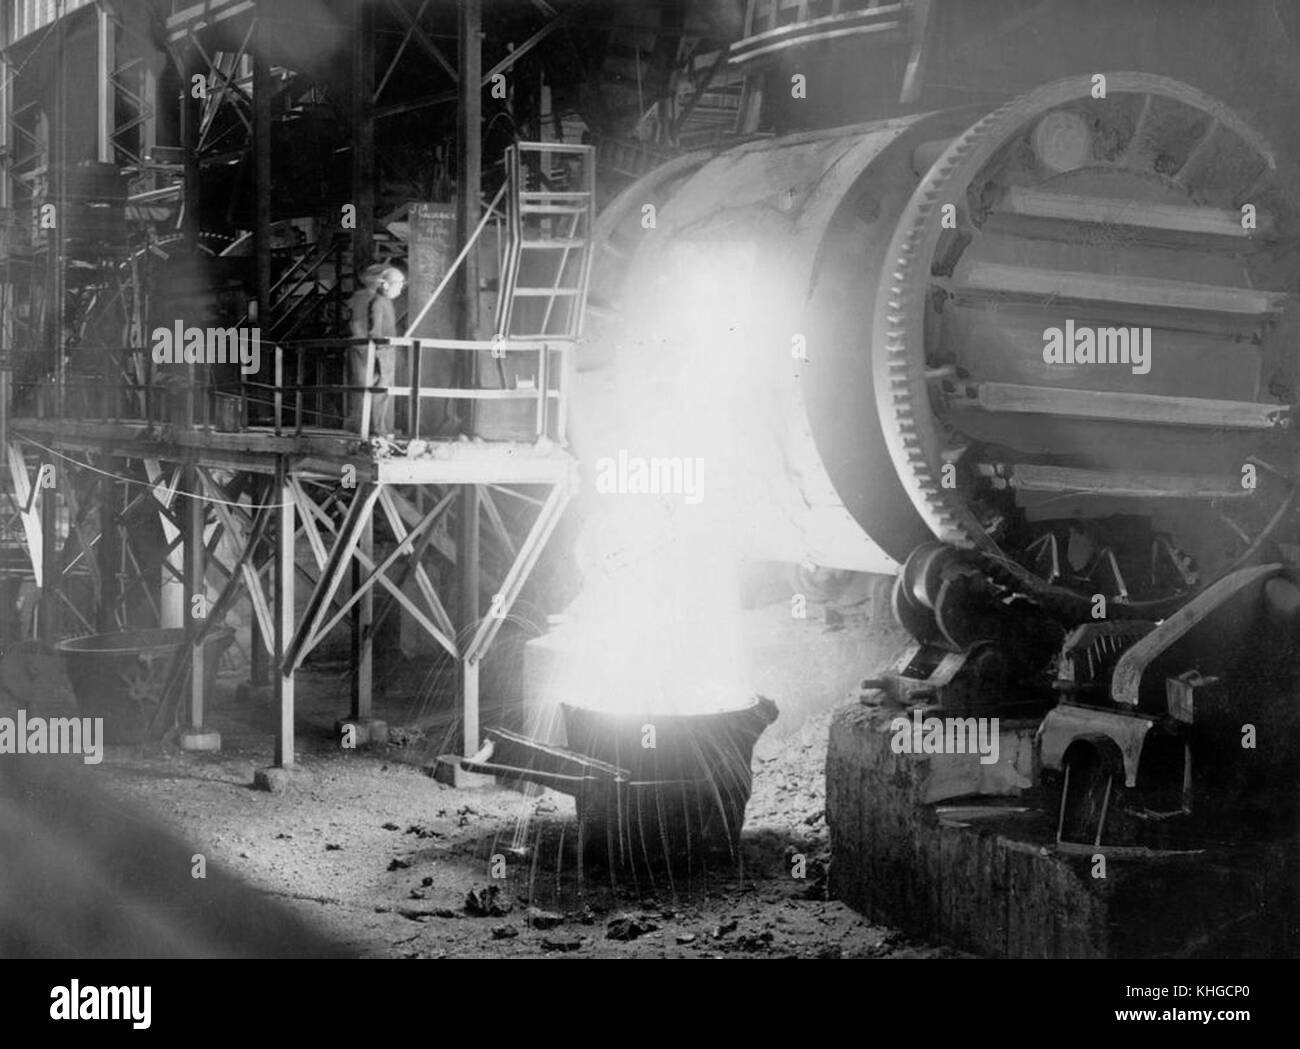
1130 407
997 345
1117 211
1129 289
1135 483
456 392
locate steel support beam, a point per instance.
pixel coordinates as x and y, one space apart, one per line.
469 182
363 134
262 172
469 164
467 576
106 63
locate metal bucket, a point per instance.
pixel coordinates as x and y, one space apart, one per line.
120 676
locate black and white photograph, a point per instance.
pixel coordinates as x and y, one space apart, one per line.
650 479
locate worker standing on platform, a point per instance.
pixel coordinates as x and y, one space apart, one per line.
374 317
383 325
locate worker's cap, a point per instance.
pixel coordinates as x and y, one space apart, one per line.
372 274
392 275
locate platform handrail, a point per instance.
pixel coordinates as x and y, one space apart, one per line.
292 374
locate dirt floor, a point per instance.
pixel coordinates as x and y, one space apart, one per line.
372 850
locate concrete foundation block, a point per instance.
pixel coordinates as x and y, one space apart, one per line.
985 873
201 739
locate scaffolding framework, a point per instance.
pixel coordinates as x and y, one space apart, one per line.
167 509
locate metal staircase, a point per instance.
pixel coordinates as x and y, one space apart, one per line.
312 281
552 189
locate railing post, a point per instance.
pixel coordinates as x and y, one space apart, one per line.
543 379
277 398
562 392
413 413
365 394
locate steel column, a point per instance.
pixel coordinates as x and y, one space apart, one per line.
363 618
363 135
196 595
284 597
262 174
467 574
106 63
469 180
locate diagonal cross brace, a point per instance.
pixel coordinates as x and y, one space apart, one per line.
332 575
420 35
529 552
377 575
309 511
180 662
421 576
24 494
252 580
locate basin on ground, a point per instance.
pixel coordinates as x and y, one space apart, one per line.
120 676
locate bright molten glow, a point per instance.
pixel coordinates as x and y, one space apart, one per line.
657 627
